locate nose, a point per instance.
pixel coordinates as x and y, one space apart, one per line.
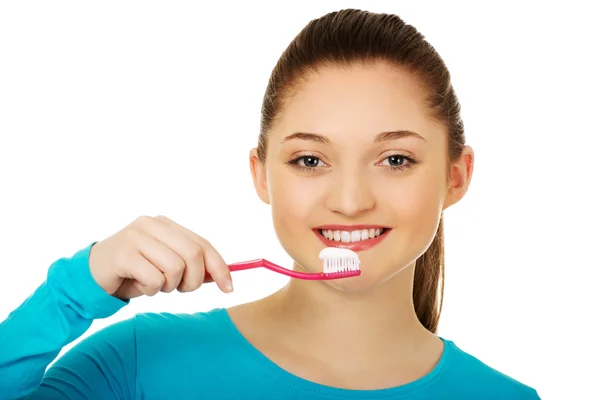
350 194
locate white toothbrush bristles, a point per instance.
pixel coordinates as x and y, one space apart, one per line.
336 260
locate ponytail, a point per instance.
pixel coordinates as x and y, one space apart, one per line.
428 286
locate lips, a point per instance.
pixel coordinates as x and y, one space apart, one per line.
355 237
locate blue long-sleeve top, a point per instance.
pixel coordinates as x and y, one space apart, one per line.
180 356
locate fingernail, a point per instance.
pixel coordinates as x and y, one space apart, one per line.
228 286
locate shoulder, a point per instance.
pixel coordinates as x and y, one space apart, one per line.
168 333
481 378
153 333
102 364
181 325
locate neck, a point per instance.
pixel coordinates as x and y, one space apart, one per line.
370 324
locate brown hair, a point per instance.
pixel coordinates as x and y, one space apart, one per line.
349 37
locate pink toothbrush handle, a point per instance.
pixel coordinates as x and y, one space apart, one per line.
241 266
274 267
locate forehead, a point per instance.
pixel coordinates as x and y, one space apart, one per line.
368 99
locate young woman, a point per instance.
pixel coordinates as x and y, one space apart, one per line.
361 145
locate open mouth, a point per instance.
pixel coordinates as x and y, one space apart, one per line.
352 236
356 237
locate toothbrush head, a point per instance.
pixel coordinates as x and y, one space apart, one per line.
339 263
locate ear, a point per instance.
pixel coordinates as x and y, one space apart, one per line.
259 175
460 176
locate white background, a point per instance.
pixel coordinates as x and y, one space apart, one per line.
114 109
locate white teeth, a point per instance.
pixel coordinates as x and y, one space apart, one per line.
355 236
352 236
345 236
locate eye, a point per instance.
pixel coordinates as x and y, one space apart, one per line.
306 162
398 162
309 161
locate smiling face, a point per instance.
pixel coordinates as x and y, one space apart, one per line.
356 161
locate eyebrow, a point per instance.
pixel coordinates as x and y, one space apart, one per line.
381 137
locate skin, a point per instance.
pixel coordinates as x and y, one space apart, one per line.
362 332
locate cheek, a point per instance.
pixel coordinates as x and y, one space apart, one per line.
292 202
420 201
417 206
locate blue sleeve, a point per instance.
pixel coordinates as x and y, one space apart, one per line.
59 311
100 367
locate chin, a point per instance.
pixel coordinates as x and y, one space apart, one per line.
366 282
353 285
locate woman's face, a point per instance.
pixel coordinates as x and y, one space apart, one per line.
355 161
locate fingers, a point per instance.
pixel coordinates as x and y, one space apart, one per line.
197 254
213 263
217 268
149 280
190 265
167 261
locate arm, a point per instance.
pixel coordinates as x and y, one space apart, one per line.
101 367
58 312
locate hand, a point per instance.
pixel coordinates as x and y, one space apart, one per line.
155 254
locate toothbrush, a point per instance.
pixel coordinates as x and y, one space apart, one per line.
337 263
